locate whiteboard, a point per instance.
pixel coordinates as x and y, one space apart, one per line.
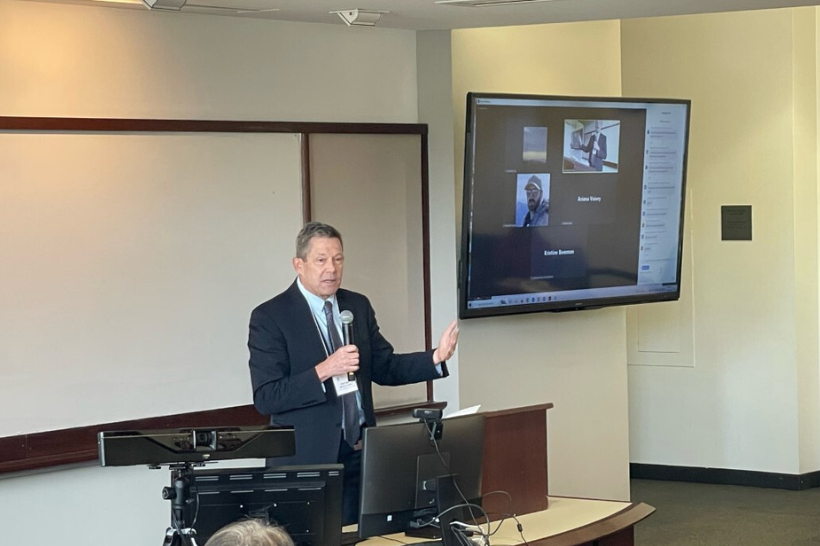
370 188
130 264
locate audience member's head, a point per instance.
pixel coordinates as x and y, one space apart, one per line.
250 532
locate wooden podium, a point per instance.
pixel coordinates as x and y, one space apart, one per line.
515 460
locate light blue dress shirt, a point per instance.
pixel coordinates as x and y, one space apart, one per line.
317 308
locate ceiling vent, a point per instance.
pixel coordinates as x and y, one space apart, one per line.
177 5
360 17
166 5
487 3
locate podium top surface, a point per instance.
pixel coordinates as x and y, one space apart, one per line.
567 522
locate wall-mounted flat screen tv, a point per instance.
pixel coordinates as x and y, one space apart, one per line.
571 202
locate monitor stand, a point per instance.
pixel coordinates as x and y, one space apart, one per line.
447 498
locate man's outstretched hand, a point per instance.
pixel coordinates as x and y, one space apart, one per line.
447 344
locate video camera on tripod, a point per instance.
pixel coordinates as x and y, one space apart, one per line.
182 450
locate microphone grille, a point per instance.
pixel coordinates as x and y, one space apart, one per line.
346 316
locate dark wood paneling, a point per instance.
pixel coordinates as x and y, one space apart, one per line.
73 445
76 445
515 460
13 448
307 213
425 239
724 476
105 125
621 538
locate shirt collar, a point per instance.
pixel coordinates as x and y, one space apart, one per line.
317 304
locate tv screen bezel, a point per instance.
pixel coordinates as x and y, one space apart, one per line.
561 305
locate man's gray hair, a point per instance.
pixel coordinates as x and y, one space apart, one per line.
250 532
311 231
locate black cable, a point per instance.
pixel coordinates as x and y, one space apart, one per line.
460 494
461 536
518 525
429 523
183 538
504 515
520 529
465 505
196 512
499 492
470 506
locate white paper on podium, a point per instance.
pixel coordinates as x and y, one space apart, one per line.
466 411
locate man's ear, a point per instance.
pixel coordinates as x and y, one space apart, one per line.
298 264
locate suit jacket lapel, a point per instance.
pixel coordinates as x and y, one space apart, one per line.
303 316
346 304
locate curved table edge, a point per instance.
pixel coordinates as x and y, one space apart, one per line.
619 521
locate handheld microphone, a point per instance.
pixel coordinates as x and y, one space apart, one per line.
347 335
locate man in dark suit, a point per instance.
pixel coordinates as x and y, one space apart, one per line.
596 146
299 365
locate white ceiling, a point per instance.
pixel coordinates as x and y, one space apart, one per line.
427 15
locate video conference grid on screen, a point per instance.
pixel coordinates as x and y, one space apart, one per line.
572 202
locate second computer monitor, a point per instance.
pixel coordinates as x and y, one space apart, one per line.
401 463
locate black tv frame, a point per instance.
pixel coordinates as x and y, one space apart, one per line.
558 300
400 464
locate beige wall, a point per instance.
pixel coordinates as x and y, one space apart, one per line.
751 397
575 360
78 61
806 234
746 397
66 60
727 377
433 54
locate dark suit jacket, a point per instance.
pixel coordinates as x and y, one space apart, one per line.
285 347
596 161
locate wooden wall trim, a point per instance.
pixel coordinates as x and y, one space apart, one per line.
725 476
110 125
425 241
77 445
307 211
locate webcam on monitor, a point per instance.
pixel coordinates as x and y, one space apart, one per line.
426 414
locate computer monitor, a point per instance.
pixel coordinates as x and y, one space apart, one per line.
305 500
401 465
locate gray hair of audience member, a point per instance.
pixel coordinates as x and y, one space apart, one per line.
309 232
250 532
